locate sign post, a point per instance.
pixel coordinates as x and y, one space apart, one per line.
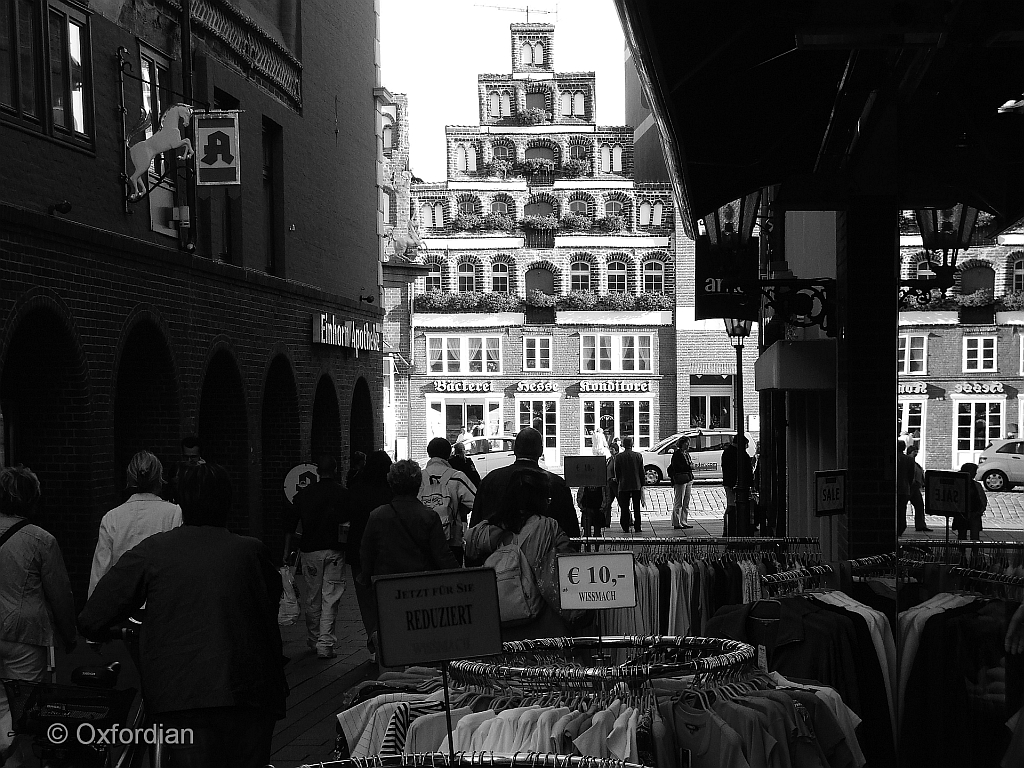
437 616
945 494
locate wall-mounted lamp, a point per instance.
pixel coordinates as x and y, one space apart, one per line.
367 299
63 207
947 230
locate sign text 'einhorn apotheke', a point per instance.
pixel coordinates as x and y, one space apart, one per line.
346 333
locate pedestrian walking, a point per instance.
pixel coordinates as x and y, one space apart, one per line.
144 514
735 459
449 493
904 479
629 472
322 508
369 491
600 443
590 499
969 525
355 466
611 486
191 456
492 495
36 603
680 472
211 657
916 497
403 535
464 463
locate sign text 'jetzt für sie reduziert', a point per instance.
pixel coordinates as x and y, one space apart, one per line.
327 329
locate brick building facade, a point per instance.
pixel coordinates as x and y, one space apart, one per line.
552 291
126 325
961 368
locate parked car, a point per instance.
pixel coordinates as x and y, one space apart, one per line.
1001 465
706 446
492 451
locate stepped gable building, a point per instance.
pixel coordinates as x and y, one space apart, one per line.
229 310
551 289
960 362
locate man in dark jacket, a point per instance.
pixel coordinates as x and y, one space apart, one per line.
493 490
211 656
731 469
460 461
629 472
322 508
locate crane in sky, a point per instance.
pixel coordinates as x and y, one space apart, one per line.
527 10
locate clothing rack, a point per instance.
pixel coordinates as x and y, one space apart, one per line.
693 541
710 655
874 563
959 552
978 575
481 759
796 574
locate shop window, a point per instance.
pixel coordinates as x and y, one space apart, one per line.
615 353
911 354
979 354
464 354
537 353
910 421
978 422
625 417
51 38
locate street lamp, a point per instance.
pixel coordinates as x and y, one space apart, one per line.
942 229
740 524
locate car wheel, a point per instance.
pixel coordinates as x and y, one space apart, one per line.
995 481
653 475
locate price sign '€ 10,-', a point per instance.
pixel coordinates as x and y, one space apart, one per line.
596 581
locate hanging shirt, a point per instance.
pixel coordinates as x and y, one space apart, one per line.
711 743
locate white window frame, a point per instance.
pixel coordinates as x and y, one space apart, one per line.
625 276
505 273
981 356
606 158
640 443
645 214
439 271
972 454
615 347
535 356
617 158
903 357
551 453
463 346
656 271
579 271
506 150
903 405
609 210
463 274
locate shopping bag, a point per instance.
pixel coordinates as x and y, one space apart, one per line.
288 608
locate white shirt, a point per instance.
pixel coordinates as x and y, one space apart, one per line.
125 526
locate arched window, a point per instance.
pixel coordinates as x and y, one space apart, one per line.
654 277
539 208
434 278
924 269
526 54
499 277
499 207
467 277
467 207
659 210
613 208
578 104
388 133
606 158
536 100
471 158
1018 275
616 277
540 153
538 53
565 104
506 104
438 214
494 104
460 158
579 276
426 215
645 214
577 152
579 206
502 152
617 159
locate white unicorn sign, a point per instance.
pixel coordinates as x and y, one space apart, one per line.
167 139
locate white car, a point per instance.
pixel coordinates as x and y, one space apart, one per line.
706 446
491 452
1001 465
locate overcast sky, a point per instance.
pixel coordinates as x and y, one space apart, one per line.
432 50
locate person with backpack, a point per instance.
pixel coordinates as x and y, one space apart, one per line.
448 492
521 544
